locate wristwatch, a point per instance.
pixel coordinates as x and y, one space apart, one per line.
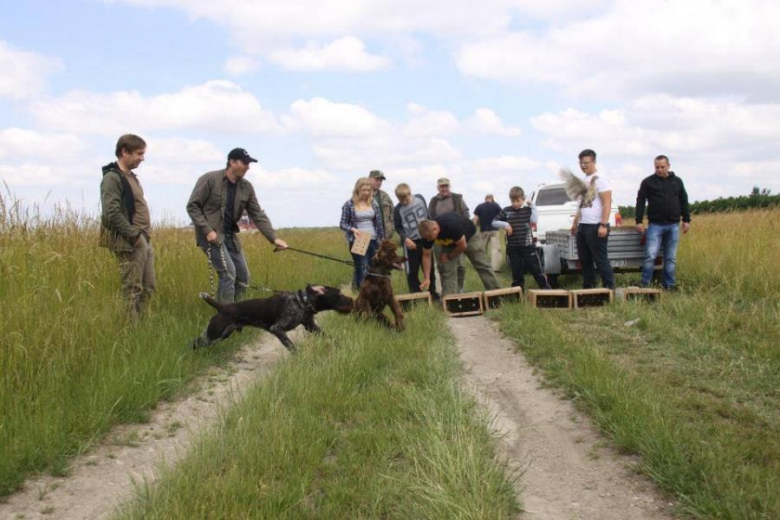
601 224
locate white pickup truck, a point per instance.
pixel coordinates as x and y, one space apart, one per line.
558 248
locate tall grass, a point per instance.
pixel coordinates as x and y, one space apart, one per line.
693 387
363 423
71 362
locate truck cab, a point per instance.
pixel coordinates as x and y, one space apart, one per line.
556 210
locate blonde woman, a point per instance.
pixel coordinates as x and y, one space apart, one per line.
359 215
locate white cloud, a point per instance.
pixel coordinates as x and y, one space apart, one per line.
215 106
24 73
241 65
346 54
689 48
424 123
21 144
486 121
324 118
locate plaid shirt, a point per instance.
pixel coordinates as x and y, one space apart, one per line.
348 220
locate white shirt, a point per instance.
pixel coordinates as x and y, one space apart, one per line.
592 214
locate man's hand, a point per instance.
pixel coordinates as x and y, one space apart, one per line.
410 245
212 237
425 284
686 227
508 230
640 227
444 258
281 244
573 229
603 231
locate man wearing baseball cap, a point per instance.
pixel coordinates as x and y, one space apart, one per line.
383 200
218 201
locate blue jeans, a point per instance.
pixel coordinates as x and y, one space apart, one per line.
668 236
230 264
361 263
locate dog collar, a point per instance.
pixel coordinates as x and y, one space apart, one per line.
303 299
379 275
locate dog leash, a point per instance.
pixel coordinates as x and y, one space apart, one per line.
351 264
232 278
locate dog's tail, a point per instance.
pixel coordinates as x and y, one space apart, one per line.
211 301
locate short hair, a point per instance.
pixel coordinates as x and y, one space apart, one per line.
129 143
425 227
402 191
662 158
516 193
587 152
489 197
362 181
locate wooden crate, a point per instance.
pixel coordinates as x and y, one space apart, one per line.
644 294
591 298
496 297
408 301
466 304
555 299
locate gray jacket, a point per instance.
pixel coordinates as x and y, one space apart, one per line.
206 207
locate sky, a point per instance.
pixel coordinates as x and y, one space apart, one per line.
490 94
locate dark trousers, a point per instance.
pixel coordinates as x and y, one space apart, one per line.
414 266
591 250
522 259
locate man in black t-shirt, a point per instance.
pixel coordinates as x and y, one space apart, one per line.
456 235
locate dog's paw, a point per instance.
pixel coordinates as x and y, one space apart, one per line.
204 295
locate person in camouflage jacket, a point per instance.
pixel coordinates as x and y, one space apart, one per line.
384 202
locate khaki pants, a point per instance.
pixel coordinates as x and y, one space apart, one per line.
461 274
478 259
491 244
138 278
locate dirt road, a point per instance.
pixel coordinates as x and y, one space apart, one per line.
568 469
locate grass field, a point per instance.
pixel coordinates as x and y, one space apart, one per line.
693 387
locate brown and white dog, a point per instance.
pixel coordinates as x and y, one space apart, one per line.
376 291
277 314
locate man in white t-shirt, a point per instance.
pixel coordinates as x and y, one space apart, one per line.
591 224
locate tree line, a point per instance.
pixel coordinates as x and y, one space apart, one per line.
758 198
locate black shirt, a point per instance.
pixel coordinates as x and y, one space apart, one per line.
453 227
230 207
486 212
667 199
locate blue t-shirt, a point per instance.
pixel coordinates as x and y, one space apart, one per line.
486 212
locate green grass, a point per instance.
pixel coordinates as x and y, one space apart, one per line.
694 386
71 363
362 423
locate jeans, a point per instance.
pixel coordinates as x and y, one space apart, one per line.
362 262
658 235
138 277
476 255
413 267
230 264
593 249
522 259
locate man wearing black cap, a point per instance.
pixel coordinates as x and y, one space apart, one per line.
383 200
215 206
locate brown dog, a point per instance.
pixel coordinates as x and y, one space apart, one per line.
376 291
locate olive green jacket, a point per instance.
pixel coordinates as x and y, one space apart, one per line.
206 207
387 207
117 232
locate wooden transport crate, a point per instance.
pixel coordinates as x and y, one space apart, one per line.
591 297
555 299
407 301
466 304
645 294
496 297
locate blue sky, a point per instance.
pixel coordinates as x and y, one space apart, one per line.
492 95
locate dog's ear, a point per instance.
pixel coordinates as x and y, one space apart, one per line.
317 289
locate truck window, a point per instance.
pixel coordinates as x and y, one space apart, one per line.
552 197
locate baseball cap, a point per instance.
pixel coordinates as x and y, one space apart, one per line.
444 181
376 174
239 154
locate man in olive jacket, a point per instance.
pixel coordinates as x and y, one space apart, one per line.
125 223
383 200
217 203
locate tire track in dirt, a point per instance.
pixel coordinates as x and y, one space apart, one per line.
567 469
102 478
